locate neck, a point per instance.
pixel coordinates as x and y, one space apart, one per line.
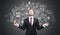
30 16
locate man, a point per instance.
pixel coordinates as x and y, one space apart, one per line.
30 24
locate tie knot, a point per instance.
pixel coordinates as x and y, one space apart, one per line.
30 18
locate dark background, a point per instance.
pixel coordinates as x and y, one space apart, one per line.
8 28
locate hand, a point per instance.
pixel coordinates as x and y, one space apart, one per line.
16 24
46 24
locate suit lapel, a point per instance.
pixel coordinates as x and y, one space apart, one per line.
33 21
28 21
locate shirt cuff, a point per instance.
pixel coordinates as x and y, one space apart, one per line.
44 26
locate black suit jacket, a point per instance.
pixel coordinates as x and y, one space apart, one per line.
31 30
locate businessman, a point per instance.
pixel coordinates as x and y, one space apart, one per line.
30 24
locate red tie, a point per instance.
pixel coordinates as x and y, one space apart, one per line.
30 20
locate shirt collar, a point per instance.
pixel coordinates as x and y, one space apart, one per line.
30 16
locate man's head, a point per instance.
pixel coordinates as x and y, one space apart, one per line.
31 13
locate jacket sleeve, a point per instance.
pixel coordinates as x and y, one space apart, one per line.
23 26
38 26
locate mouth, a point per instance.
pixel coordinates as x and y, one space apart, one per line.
30 14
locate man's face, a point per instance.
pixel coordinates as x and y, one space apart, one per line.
31 13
